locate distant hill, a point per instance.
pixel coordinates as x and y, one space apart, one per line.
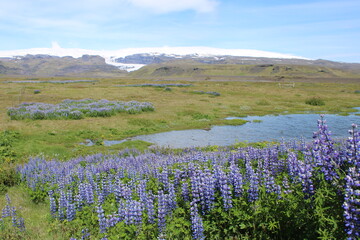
53 66
235 67
199 62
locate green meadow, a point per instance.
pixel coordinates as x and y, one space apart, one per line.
176 108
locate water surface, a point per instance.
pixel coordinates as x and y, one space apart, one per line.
270 128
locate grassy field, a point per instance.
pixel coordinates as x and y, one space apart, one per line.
175 108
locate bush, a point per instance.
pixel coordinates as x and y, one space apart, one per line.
8 175
37 91
7 138
315 101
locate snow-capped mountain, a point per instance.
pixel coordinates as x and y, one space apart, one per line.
120 58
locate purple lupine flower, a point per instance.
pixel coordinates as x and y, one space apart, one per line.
118 189
112 220
217 176
78 203
101 218
305 175
126 192
164 178
225 190
53 207
141 189
293 166
99 192
196 222
70 207
85 234
253 191
162 211
133 213
14 218
236 179
107 185
62 205
21 224
327 158
7 210
171 197
270 185
177 177
89 194
353 146
286 186
150 208
121 211
207 196
195 186
351 203
185 190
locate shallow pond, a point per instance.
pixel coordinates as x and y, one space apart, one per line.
264 128
259 128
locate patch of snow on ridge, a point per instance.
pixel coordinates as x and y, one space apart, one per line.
123 66
177 52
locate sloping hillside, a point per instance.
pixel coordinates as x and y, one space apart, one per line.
51 66
196 69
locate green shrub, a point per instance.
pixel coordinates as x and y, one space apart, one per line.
8 175
315 101
262 103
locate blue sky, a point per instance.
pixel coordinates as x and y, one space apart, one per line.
312 29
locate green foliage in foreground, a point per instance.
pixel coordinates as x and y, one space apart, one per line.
8 175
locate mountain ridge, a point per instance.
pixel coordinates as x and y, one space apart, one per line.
114 57
57 62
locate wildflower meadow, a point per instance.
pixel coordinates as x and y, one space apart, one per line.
290 190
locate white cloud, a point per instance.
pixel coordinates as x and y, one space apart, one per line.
165 6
